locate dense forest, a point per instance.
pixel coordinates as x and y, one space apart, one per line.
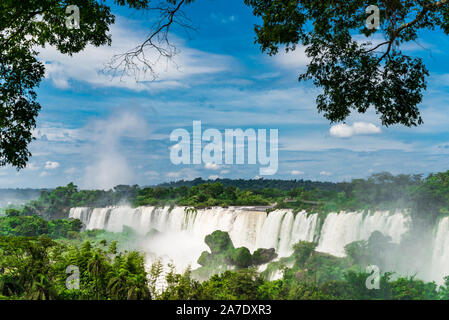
257 184
34 262
427 198
38 242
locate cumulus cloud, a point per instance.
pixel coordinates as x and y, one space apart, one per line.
296 172
212 166
345 131
214 177
51 165
325 173
57 134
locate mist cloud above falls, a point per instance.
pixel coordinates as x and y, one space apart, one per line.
110 166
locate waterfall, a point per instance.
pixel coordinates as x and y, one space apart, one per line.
340 229
440 254
271 230
304 227
183 232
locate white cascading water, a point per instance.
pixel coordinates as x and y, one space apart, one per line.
440 254
340 229
183 232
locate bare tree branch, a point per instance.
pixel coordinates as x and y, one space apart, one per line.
396 33
143 59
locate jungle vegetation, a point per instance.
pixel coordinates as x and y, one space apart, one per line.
38 242
426 197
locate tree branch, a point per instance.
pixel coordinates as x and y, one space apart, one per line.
157 46
30 16
396 33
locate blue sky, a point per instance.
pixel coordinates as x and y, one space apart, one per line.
99 131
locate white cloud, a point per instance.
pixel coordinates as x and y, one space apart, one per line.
60 134
319 142
325 173
214 177
224 171
211 166
344 131
173 174
296 59
296 172
88 66
32 166
51 165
